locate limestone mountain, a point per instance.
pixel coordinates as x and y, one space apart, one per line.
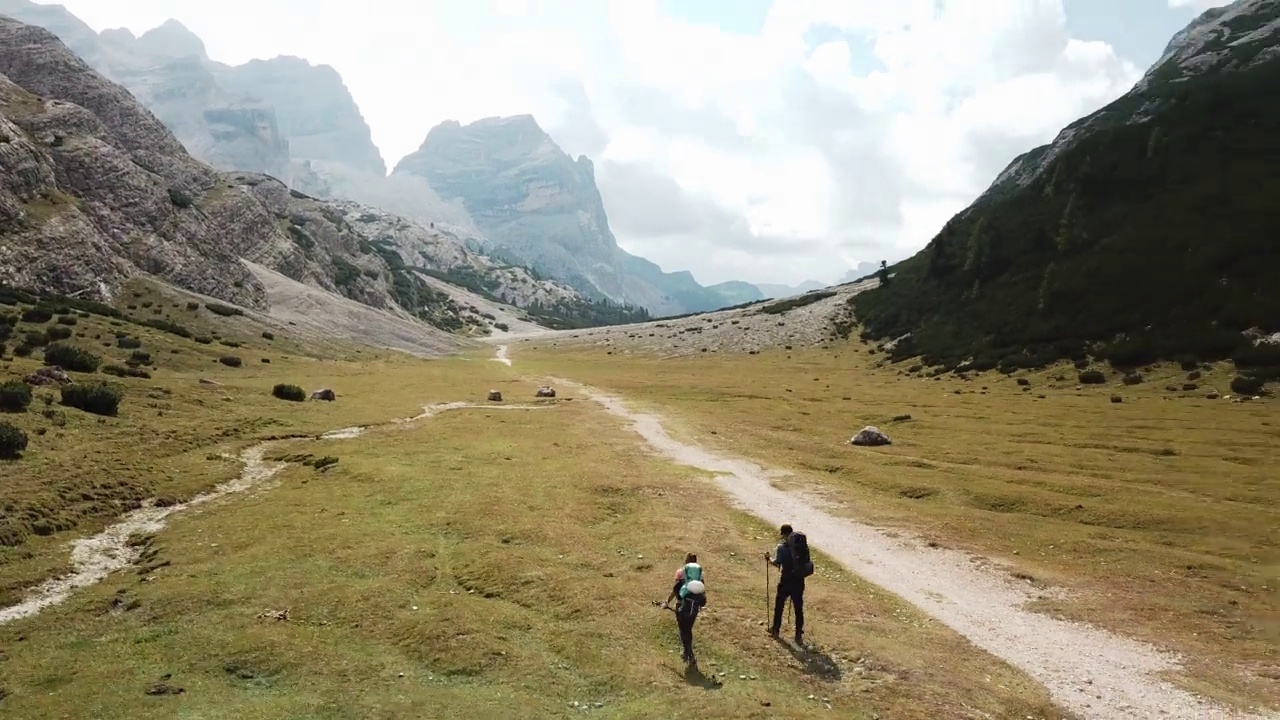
94 190
168 71
313 109
1145 230
271 116
535 203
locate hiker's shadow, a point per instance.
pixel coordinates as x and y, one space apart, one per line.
693 676
814 661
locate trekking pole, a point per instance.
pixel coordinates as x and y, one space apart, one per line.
766 594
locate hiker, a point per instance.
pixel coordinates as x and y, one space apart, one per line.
792 557
692 593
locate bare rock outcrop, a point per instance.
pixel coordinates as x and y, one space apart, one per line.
870 437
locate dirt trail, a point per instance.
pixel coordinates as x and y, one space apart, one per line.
501 356
1087 670
94 558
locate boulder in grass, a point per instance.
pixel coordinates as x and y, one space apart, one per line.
869 437
546 391
495 396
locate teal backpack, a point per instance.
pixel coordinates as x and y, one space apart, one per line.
693 591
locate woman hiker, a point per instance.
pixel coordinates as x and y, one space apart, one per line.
692 593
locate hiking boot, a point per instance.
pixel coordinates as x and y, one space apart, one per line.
773 632
800 639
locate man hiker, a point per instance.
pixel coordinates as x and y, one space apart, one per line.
692 593
792 557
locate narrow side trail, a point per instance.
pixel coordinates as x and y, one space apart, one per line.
1088 670
94 558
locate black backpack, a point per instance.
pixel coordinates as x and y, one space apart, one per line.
801 564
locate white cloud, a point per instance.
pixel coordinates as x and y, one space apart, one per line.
795 160
1198 5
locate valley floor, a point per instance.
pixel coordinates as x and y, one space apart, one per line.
502 558
1153 519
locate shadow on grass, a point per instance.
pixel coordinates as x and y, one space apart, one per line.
694 677
813 660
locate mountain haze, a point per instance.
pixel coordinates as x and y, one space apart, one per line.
298 122
95 190
536 203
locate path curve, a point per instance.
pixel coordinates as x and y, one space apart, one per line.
501 356
94 558
1091 671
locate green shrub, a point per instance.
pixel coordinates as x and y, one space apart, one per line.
203 340
122 371
231 361
193 306
99 399
166 326
229 343
3 348
35 339
292 393
1092 377
67 320
124 342
70 357
141 357
36 315
502 326
23 350
799 301
15 396
12 441
1132 379
1246 385
267 335
56 333
223 310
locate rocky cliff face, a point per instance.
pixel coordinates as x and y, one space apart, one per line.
534 202
313 107
1235 37
267 116
1146 230
95 189
444 255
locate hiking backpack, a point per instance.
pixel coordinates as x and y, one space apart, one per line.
693 573
801 564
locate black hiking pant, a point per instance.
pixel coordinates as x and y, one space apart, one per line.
686 613
789 588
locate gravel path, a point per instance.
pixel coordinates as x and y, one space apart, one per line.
1087 670
94 558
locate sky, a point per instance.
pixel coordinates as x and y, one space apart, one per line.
773 141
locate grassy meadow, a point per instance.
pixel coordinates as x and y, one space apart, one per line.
477 563
1158 515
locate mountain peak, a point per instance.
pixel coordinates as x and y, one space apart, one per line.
172 39
1236 36
501 139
